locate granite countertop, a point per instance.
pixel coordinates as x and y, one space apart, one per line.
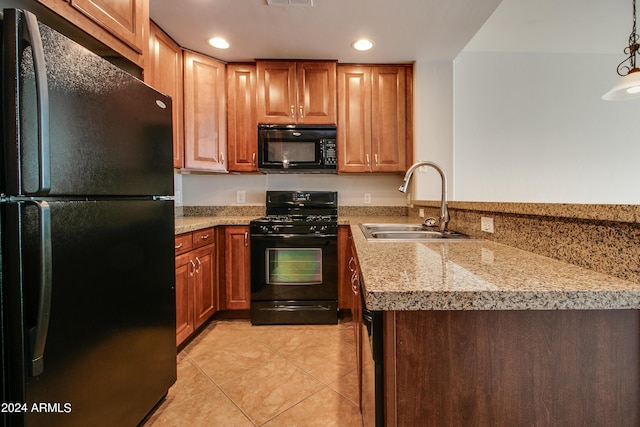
478 275
474 275
185 224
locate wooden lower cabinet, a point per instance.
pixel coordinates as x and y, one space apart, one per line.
196 296
235 277
512 368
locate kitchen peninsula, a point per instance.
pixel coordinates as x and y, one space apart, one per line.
479 333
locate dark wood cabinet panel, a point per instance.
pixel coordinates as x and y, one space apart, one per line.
562 367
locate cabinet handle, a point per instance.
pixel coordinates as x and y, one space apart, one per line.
366 156
375 156
246 238
293 112
350 266
204 236
199 265
179 246
193 268
253 159
301 115
222 158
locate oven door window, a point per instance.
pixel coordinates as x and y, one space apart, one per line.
293 266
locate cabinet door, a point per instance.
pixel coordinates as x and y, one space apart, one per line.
237 268
354 119
276 92
242 126
123 18
185 270
204 113
316 92
164 72
204 290
388 119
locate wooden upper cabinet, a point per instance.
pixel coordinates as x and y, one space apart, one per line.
121 25
164 72
374 109
205 130
296 92
242 125
121 17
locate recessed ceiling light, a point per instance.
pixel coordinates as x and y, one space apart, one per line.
362 44
219 42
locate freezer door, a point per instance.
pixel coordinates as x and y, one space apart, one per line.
107 351
74 124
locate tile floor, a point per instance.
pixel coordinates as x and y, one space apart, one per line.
235 374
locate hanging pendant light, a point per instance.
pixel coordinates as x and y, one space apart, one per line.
628 87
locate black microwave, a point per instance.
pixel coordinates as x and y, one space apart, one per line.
297 149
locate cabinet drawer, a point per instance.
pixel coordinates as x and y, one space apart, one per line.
183 243
203 237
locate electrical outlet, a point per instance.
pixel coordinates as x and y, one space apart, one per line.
241 196
486 224
367 198
421 213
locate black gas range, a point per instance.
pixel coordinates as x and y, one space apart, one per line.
294 259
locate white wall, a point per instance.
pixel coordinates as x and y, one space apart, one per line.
531 127
433 134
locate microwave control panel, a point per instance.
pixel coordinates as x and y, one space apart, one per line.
329 152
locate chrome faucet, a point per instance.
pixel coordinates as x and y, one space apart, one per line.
444 210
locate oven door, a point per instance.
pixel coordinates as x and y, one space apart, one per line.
294 278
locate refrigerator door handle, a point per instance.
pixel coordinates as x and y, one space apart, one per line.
42 94
38 334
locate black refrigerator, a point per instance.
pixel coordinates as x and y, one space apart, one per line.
87 235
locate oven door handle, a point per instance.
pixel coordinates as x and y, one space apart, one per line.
291 236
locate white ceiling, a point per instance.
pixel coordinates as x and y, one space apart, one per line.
402 30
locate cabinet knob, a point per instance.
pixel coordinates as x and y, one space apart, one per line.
375 156
293 112
246 238
179 246
199 265
301 115
253 159
366 156
193 268
204 236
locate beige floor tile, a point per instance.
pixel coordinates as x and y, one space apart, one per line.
191 381
224 360
264 393
324 409
208 409
236 374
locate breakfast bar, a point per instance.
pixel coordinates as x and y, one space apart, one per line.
479 333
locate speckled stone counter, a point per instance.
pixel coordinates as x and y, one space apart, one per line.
478 275
185 224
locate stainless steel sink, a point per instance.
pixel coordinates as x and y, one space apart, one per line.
408 232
